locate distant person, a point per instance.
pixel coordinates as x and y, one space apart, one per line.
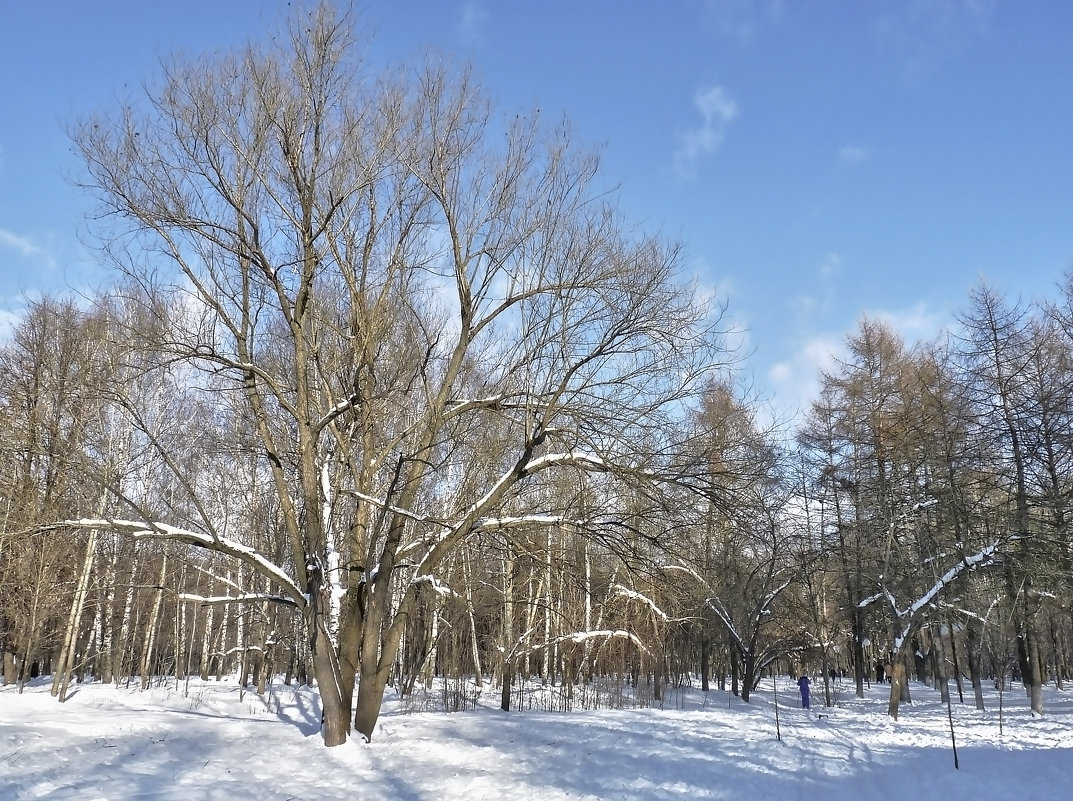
806 700
888 673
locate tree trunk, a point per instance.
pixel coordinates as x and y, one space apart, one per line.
735 670
972 642
146 666
858 651
507 633
62 676
705 651
941 676
825 666
956 665
1028 655
896 683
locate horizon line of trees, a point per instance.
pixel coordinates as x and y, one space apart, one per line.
387 389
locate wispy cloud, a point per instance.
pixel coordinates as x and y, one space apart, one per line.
831 265
795 381
918 323
717 110
470 24
24 245
923 34
852 154
742 19
9 318
29 250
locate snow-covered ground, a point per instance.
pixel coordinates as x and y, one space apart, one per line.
214 741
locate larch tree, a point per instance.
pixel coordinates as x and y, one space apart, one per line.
998 352
366 272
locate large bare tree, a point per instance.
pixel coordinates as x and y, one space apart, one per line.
407 307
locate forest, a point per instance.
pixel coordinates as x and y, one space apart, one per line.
387 389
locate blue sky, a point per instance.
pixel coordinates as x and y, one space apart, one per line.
819 160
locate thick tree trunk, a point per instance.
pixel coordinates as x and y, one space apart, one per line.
897 682
1028 655
11 669
371 686
335 717
335 711
825 666
941 676
735 671
748 676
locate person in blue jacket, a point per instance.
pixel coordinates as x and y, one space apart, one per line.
806 701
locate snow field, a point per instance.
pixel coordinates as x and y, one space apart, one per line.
217 742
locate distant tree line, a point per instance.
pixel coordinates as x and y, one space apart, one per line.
387 390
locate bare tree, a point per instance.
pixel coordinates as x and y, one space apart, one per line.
373 271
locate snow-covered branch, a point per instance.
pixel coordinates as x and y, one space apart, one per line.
587 461
984 556
437 586
579 637
219 600
689 572
625 592
493 523
419 518
222 545
717 606
493 403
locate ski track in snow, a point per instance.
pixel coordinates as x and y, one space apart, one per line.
217 742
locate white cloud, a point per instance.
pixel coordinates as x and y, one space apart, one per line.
915 324
795 381
925 35
39 255
470 24
852 154
717 110
24 245
741 20
9 318
831 265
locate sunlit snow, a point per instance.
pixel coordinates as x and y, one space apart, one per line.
216 741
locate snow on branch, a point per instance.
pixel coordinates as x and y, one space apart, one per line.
632 595
871 599
520 471
912 614
217 600
579 637
222 545
717 606
437 586
493 523
494 403
587 461
338 409
690 572
968 563
771 596
419 518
